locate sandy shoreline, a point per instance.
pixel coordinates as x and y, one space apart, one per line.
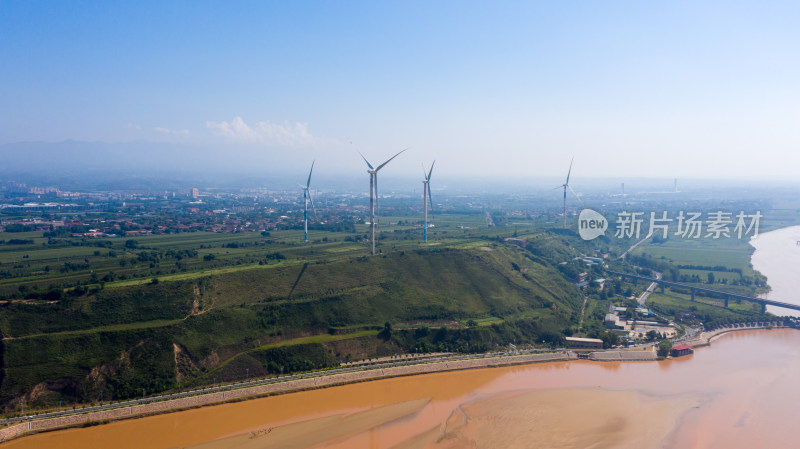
309 433
322 381
569 419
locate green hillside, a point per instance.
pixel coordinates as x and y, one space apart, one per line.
289 316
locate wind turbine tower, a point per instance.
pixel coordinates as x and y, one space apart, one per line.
373 196
306 199
566 186
426 196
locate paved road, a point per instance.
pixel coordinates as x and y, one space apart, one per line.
622 256
691 332
643 297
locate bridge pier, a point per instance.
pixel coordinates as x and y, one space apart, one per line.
662 288
727 298
692 294
763 308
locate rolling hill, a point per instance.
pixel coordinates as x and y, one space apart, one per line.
288 317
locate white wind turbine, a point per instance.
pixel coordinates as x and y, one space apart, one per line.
306 199
567 186
373 195
426 196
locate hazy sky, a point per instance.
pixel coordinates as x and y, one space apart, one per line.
640 88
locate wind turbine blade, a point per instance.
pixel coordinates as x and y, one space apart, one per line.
576 195
570 170
423 172
301 186
430 197
390 160
311 199
308 183
377 220
429 174
365 160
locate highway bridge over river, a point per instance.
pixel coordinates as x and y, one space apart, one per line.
715 293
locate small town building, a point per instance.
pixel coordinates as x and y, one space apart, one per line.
612 321
600 282
584 343
681 350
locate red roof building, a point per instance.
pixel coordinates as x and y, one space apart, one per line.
681 350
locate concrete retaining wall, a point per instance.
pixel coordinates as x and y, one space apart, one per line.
623 356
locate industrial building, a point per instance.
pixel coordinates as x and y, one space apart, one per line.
584 343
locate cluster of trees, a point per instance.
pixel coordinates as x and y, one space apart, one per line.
695 278
669 272
295 358
70 266
18 227
729 321
478 338
653 336
180 253
339 226
664 347
356 238
16 242
65 231
719 268
80 242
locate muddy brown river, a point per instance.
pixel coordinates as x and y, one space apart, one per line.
741 392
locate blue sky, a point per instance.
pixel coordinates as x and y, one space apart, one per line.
664 89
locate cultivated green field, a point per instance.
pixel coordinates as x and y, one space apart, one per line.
730 253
